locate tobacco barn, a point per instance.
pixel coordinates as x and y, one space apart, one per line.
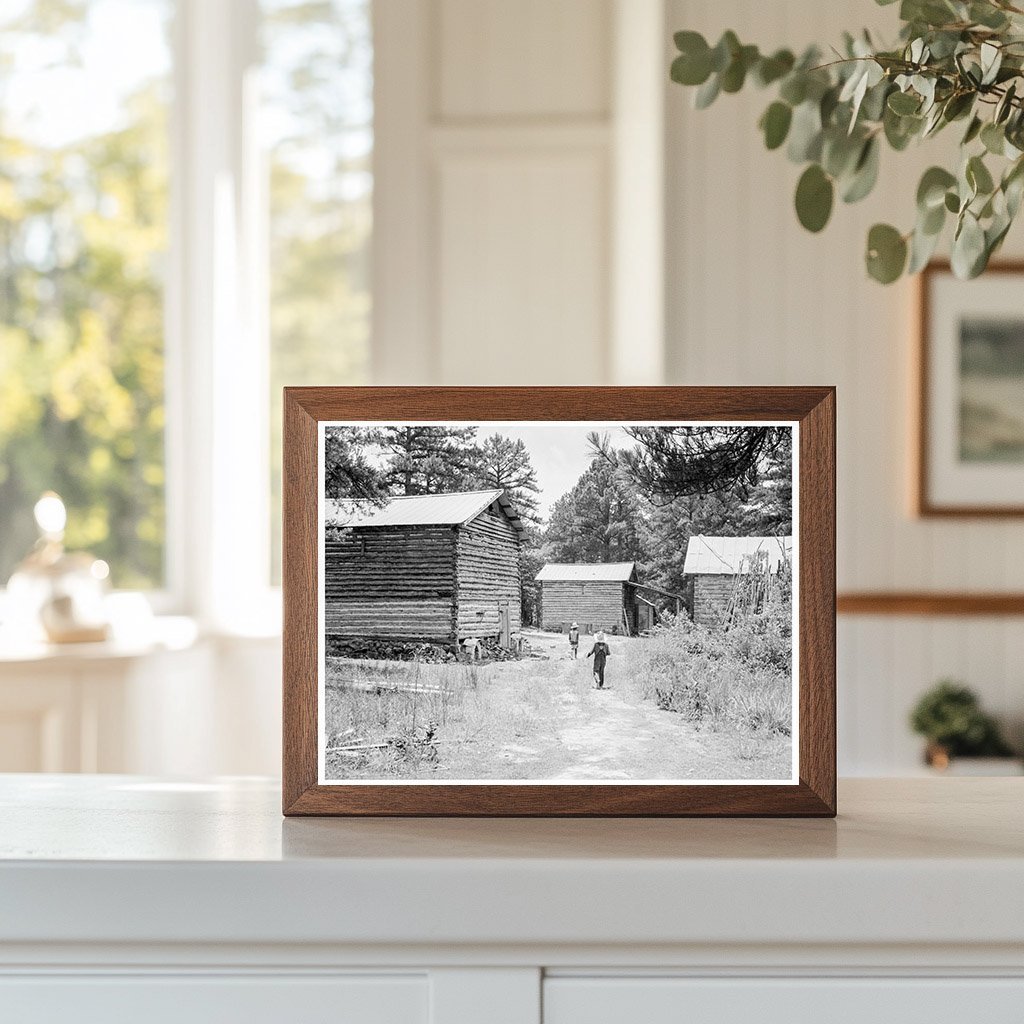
718 566
600 595
436 568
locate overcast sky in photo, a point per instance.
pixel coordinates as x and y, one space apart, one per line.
559 452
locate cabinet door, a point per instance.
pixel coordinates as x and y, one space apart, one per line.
203 999
783 1001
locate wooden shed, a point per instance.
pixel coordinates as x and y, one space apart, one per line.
716 563
596 596
436 568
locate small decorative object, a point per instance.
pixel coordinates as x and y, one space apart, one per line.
957 65
970 451
951 719
559 601
57 594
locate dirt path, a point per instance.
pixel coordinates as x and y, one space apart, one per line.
615 733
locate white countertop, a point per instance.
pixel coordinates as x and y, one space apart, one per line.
121 859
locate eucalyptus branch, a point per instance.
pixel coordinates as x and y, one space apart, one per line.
955 61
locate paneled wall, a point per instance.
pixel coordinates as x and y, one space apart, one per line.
754 299
499 146
551 210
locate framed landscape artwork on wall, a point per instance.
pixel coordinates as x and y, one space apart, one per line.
559 601
970 450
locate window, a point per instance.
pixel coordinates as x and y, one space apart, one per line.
317 118
116 218
83 237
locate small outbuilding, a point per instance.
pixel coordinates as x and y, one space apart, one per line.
595 595
600 595
717 566
437 568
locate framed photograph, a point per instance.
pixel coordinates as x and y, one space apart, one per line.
970 450
559 601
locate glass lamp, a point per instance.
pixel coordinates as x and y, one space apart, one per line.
55 595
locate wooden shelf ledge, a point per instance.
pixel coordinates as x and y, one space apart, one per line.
928 603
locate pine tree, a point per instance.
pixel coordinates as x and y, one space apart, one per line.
347 471
599 520
506 464
682 461
427 459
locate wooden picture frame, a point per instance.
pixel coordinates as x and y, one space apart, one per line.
811 791
931 373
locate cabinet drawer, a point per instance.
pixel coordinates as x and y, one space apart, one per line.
782 1001
202 999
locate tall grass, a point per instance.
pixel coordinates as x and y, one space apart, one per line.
407 723
740 677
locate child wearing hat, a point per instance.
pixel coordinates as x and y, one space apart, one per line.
600 652
574 641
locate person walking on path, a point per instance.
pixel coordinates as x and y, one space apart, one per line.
600 652
574 641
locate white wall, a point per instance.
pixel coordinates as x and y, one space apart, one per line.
502 133
754 299
518 240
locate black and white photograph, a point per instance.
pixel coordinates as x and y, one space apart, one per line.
557 602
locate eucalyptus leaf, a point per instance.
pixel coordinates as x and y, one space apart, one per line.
1005 105
900 130
932 220
922 248
865 173
707 93
775 124
931 190
978 176
794 88
805 133
993 138
886 253
904 103
987 15
724 51
991 60
973 130
735 74
958 105
840 152
814 195
968 248
691 70
771 69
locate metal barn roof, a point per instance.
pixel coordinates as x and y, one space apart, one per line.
420 510
727 555
567 571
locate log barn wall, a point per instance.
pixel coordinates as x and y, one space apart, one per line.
711 595
487 574
598 602
395 582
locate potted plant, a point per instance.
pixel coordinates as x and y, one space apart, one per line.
950 718
956 62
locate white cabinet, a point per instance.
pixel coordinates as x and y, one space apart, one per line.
202 999
829 1000
126 899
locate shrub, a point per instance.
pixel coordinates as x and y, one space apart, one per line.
739 677
949 715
